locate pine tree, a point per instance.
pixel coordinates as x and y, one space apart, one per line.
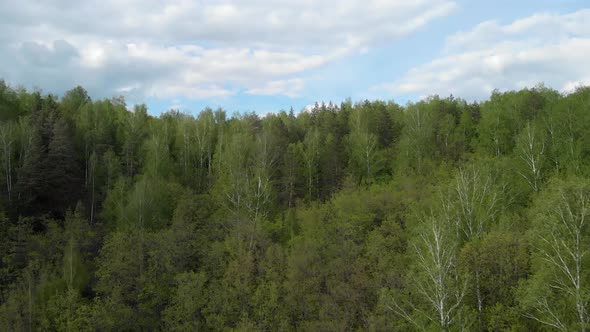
31 179
63 174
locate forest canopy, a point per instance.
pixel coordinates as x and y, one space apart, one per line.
441 214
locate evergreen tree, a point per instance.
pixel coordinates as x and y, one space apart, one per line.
62 179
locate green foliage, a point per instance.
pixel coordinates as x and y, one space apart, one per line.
436 215
558 293
184 311
496 264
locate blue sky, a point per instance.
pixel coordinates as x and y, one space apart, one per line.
266 56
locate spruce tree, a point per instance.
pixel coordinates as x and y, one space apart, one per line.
63 171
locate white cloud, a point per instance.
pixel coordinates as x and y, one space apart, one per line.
310 107
289 88
571 86
549 48
194 49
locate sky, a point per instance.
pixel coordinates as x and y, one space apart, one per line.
266 56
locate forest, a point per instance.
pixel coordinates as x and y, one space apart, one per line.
437 215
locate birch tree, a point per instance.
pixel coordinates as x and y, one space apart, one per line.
195 142
559 293
206 137
134 132
566 125
7 146
185 146
472 205
417 141
363 146
440 287
232 176
260 181
531 154
473 202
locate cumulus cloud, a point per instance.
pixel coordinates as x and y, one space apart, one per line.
59 52
289 88
194 49
549 48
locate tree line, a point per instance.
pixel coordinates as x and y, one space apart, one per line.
434 215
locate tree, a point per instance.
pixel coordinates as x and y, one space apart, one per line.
31 178
531 151
112 168
363 145
500 121
206 138
473 202
134 132
436 279
63 177
327 288
185 311
157 162
310 151
72 101
7 140
566 122
118 272
10 108
497 263
186 148
68 312
292 173
93 168
233 180
416 142
558 294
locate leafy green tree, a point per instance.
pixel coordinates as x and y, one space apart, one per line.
473 202
233 178
72 102
230 295
436 215
292 174
531 150
206 138
68 312
364 159
310 152
185 145
557 295
9 103
112 168
436 278
498 262
189 299
7 143
269 311
415 147
500 121
133 134
118 272
566 122
157 161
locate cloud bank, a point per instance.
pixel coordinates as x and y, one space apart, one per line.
194 49
546 47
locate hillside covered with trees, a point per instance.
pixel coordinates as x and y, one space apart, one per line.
435 215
